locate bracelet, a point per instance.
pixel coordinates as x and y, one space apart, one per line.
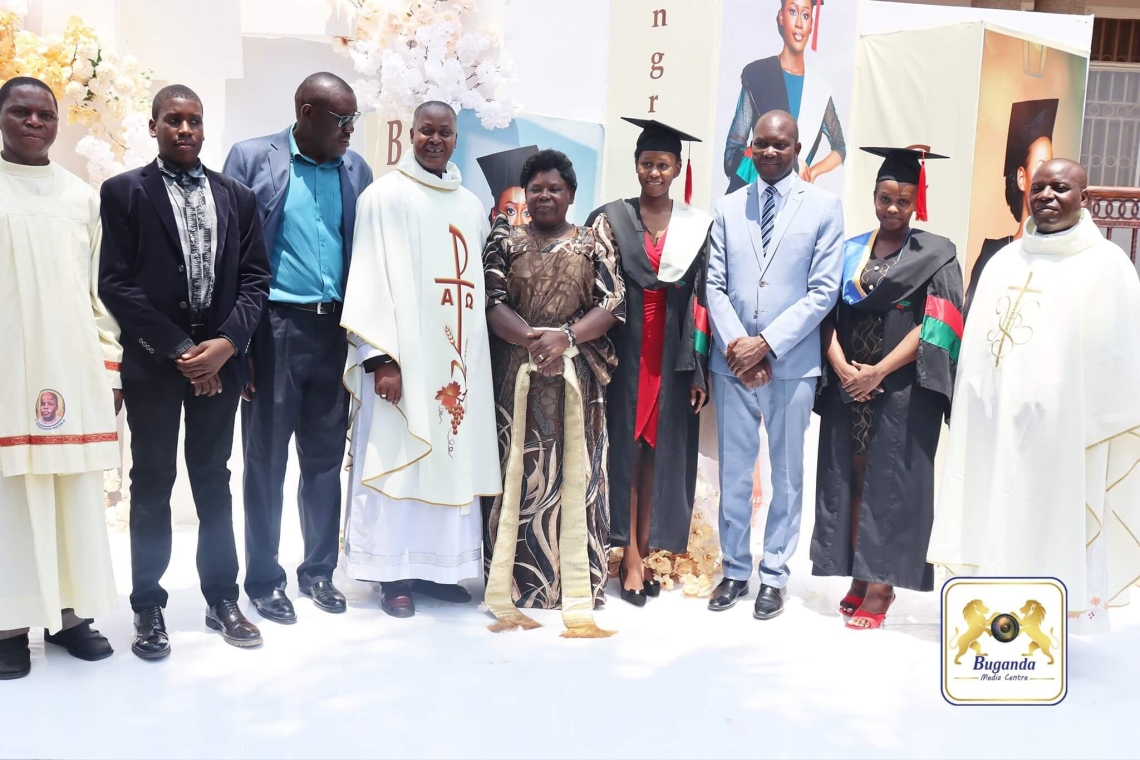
570 335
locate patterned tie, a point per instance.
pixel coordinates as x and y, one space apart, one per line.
768 219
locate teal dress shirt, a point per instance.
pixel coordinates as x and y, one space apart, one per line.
307 259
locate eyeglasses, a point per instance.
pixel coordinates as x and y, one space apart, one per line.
342 121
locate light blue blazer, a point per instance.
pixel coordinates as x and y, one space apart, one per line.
784 296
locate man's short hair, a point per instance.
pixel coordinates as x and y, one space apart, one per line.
15 82
170 92
433 104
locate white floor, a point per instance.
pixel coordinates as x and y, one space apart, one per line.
676 681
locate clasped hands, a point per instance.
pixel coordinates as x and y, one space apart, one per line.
748 360
201 364
546 348
861 381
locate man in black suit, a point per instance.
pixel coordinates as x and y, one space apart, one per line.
185 272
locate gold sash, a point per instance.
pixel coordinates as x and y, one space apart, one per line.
573 556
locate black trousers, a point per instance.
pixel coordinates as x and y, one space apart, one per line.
154 412
298 364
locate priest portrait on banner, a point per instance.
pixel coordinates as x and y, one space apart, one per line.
423 439
1041 473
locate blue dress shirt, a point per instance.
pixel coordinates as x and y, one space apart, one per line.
307 259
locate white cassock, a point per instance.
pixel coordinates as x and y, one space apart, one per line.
60 345
1041 475
415 293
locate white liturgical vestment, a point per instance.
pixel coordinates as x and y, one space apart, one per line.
1040 476
61 353
415 293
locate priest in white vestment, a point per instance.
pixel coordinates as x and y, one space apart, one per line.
58 393
423 441
1041 474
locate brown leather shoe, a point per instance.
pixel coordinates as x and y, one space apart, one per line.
396 600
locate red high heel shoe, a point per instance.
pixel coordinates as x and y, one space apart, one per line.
875 619
849 604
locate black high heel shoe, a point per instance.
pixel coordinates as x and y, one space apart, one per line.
653 589
636 598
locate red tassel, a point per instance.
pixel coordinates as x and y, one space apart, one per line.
689 182
920 198
815 26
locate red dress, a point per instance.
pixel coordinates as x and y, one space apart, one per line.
652 350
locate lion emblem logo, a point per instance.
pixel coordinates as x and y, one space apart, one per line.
1031 617
977 623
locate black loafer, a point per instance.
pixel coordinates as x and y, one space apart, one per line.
151 640
769 602
15 658
82 642
276 606
325 596
227 618
726 594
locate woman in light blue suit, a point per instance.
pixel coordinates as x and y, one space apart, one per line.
775 262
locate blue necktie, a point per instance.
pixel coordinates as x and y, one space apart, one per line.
768 218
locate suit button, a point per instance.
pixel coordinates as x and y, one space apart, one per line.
182 305
181 268
763 284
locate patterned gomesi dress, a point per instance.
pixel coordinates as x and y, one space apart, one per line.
549 288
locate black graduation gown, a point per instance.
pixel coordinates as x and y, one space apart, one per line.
678 431
898 497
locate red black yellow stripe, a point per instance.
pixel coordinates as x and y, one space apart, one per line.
58 440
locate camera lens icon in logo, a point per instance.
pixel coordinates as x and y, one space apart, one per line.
1005 628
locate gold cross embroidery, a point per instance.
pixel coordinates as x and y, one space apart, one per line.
1011 330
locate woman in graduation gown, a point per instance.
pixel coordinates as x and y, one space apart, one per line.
892 347
656 394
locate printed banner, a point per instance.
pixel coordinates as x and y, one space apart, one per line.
794 56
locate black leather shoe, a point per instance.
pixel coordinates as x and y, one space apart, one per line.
636 598
396 600
325 596
15 658
227 618
769 602
82 642
151 641
726 593
276 606
445 592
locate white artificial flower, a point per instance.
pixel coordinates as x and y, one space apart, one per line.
82 70
87 49
75 91
98 86
470 46
125 86
129 65
495 114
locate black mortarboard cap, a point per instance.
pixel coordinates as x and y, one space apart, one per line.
503 170
1029 121
906 165
658 136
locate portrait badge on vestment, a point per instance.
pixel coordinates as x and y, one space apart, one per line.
49 409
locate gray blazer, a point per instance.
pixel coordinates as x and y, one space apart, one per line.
263 165
785 296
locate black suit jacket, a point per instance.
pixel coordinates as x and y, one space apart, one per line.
142 271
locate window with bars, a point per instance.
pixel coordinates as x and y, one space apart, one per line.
1111 146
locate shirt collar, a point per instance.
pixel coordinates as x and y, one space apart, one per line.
296 153
783 187
172 171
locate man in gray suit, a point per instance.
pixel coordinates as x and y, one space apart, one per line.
774 272
306 181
